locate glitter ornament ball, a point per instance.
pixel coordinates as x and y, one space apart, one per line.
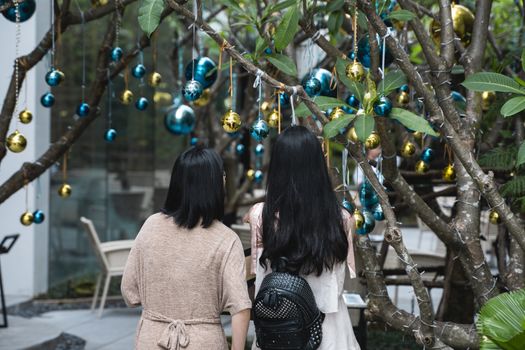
139 71
142 103
16 142
126 97
372 141
250 174
377 211
154 79
273 119
355 71
26 8
26 218
449 173
231 122
259 129
116 54
383 106
47 100
259 149
311 85
494 217
82 109
487 99
204 99
421 167
258 176
38 216
99 3
351 135
427 155
239 149
408 149
284 99
180 120
403 98
54 77
192 90
348 205
358 218
204 71
368 224
25 116
336 113
462 22
64 190
110 135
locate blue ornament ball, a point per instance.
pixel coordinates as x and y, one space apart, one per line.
142 103
352 101
456 96
139 71
377 211
239 149
204 71
110 135
47 100
404 88
192 90
234 135
367 195
38 216
427 155
54 77
348 205
363 52
325 78
259 149
194 140
311 85
383 106
26 8
180 120
369 223
83 109
268 51
258 176
260 130
116 54
284 99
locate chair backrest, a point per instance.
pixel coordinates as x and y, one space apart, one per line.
95 242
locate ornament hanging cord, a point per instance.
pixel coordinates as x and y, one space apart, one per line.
258 84
294 118
110 93
83 29
344 170
17 64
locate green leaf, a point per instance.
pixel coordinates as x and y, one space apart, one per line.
412 121
393 80
277 7
234 5
355 88
521 155
364 125
499 158
323 102
514 188
260 46
287 28
401 15
149 15
283 63
513 106
457 69
523 59
335 5
488 81
333 128
335 21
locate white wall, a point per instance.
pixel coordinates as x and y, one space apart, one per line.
25 268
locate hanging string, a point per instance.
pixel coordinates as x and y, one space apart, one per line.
279 110
180 55
17 64
154 50
258 84
27 195
194 26
221 50
344 170
52 32
83 30
117 26
64 168
354 29
110 92
294 118
388 33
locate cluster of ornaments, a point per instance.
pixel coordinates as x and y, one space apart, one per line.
37 217
200 74
257 175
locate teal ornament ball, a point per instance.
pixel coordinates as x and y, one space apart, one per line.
38 216
259 149
180 120
192 90
26 8
284 99
239 149
54 77
204 71
352 101
141 104
348 206
194 140
456 96
259 130
369 223
383 106
139 71
404 88
47 100
427 155
82 109
110 135
325 78
311 85
367 195
258 176
116 54
377 211
363 52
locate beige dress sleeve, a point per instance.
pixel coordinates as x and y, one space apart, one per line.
254 218
349 225
130 286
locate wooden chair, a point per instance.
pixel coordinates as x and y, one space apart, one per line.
112 258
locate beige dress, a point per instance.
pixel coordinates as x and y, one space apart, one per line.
338 333
184 279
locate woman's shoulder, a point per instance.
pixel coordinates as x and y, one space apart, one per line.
254 213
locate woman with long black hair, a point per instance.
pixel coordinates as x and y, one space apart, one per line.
302 221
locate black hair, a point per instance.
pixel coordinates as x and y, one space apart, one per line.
196 188
302 219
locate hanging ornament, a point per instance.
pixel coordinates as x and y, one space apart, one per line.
64 190
274 119
449 173
47 100
266 108
383 106
139 71
25 116
353 102
192 90
355 71
363 52
126 97
325 78
427 155
372 141
231 122
494 217
26 218
259 149
258 176
154 79
367 195
194 140
162 98
336 113
26 10
358 218
487 99
462 22
352 135
284 99
408 149
377 212
250 174
16 142
311 85
239 149
202 69
142 103
116 54
38 216
418 136
83 109
422 167
368 223
180 120
259 129
54 77
110 135
403 99
99 3
348 205
204 99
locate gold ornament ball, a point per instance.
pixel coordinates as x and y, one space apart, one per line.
26 218
487 98
403 99
250 174
359 219
449 173
337 112
25 116
266 107
494 217
16 142
204 99
422 167
99 3
231 122
126 97
408 149
62 75
372 141
273 119
64 191
162 98
355 71
154 79
351 135
418 136
462 21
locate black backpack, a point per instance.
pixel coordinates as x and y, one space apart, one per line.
286 316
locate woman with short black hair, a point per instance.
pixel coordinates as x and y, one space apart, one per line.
186 267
